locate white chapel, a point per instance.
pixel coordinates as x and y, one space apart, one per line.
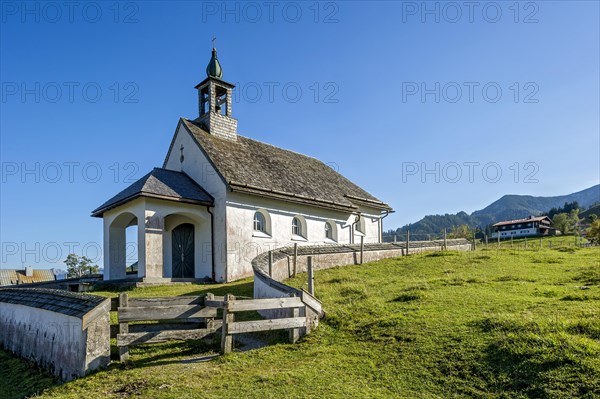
220 199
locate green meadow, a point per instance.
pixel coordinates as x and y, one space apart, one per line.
508 322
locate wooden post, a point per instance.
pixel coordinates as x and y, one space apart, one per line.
474 244
311 278
295 332
123 328
395 237
362 248
228 319
407 241
210 321
486 240
295 259
271 263
445 241
541 243
498 235
511 242
525 242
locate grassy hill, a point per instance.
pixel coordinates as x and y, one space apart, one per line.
495 323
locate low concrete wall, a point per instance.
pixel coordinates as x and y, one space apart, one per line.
324 257
66 333
69 284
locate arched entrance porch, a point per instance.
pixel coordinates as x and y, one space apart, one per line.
186 246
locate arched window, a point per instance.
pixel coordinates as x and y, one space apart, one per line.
297 227
260 223
330 231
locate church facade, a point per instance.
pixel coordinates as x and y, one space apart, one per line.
220 199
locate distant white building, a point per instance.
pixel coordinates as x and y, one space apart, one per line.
530 226
220 199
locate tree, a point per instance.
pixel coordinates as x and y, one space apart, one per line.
593 234
574 220
566 208
462 231
79 266
561 222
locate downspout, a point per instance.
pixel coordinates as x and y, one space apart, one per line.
212 241
387 212
352 230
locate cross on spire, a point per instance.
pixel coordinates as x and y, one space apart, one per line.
214 41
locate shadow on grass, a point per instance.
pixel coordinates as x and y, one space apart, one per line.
196 351
536 366
175 352
589 276
242 289
21 378
407 298
172 352
530 360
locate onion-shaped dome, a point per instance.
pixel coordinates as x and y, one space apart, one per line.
213 68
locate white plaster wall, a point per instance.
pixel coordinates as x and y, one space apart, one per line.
53 340
243 244
198 167
516 233
372 220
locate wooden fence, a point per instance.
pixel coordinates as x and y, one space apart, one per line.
232 305
195 317
190 317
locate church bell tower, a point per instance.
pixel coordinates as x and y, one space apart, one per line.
214 100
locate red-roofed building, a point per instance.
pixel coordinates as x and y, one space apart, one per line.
528 227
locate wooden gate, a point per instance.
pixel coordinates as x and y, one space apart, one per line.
190 317
231 327
194 317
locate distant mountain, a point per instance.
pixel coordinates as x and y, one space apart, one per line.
506 208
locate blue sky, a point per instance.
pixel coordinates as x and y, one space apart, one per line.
382 91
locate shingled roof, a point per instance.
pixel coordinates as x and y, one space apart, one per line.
252 167
69 303
15 276
162 184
